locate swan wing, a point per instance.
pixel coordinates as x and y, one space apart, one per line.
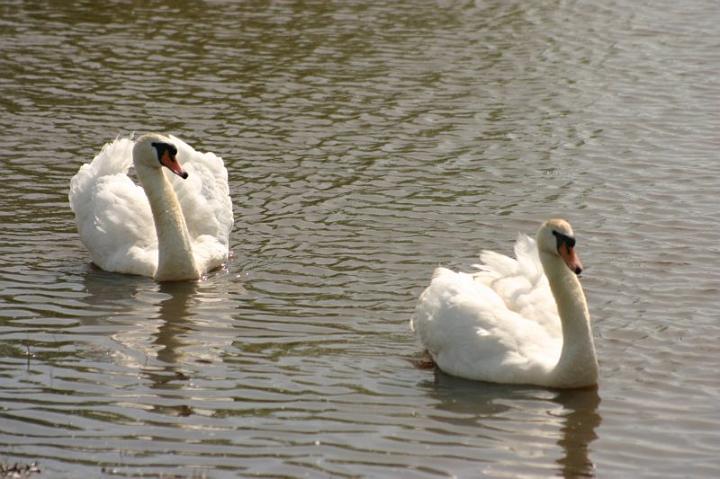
470 332
113 214
205 201
521 284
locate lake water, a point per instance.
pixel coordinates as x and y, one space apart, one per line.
366 144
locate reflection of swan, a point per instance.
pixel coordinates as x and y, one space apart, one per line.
176 321
581 419
169 229
168 334
505 413
510 322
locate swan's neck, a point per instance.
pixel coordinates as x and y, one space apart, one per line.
175 256
578 364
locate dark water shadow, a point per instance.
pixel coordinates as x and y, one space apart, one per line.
577 415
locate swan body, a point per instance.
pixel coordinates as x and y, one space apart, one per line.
514 321
174 226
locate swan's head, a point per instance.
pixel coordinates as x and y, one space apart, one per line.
155 151
556 237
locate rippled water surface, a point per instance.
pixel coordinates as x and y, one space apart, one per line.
366 144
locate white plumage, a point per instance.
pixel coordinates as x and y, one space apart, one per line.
502 323
116 222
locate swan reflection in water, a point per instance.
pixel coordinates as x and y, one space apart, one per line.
161 328
176 322
168 333
169 342
579 409
527 418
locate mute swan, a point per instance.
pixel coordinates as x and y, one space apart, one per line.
174 227
515 321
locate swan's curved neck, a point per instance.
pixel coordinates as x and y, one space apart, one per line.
578 364
175 255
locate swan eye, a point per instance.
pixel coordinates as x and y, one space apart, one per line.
569 241
161 148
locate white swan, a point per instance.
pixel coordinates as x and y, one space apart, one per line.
174 227
515 321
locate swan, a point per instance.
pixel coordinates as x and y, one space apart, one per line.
513 321
176 226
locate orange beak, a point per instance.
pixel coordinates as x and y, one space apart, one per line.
571 259
170 162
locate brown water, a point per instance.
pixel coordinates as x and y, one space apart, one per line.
366 144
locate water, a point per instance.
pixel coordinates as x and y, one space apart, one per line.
366 144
